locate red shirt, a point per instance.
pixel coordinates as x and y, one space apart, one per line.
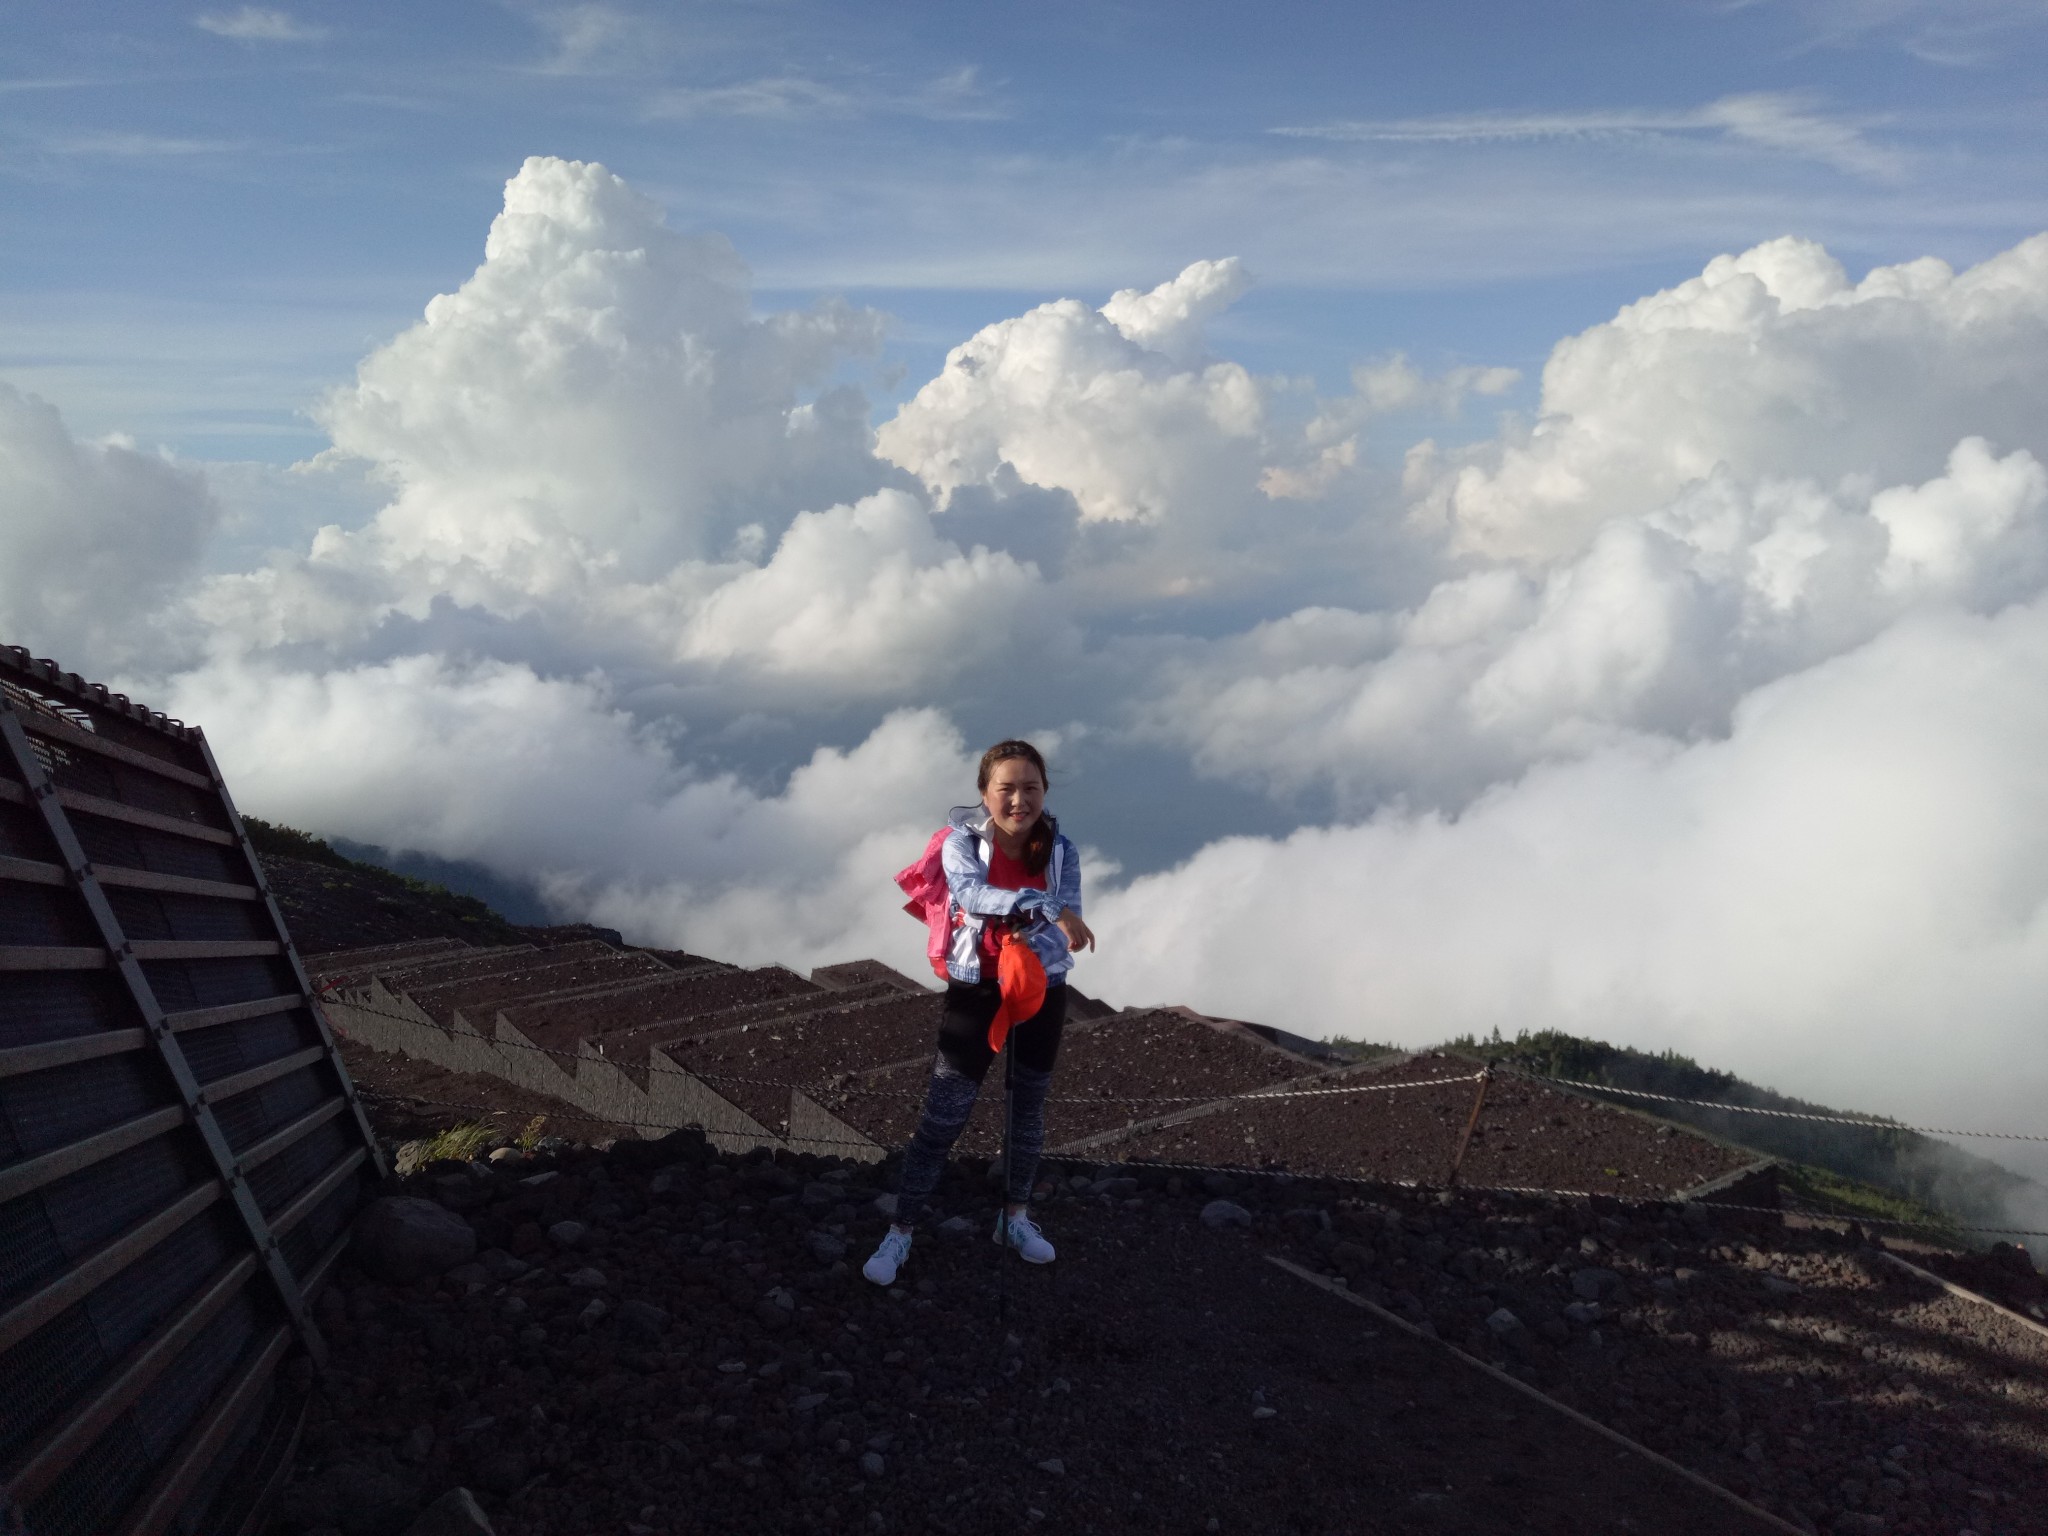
1011 875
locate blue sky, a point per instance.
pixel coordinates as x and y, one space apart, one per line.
209 214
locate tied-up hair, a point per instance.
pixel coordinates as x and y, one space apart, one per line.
1038 841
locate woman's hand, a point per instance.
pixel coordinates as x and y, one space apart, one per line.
1079 935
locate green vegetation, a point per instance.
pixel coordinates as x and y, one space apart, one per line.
1884 1171
280 842
1823 1190
1359 1049
459 1143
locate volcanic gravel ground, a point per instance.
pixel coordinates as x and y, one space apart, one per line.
560 1024
328 908
437 971
747 1064
1106 1068
1527 1136
551 972
336 964
2005 1274
410 1099
740 1376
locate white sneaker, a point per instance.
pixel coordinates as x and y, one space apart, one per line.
883 1263
1025 1237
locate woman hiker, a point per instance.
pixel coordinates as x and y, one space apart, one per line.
1012 882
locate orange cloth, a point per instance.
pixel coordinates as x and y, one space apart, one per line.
1020 975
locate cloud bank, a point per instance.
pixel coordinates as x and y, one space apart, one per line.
1701 709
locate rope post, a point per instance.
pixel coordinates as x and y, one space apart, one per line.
1471 1125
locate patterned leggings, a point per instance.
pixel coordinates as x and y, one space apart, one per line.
963 1061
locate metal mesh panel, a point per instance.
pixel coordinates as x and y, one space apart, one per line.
46 1372
251 1116
228 1048
131 847
66 1104
90 1206
225 1499
41 914
124 1309
42 1233
94 1488
62 1362
54 1373
55 1005
209 983
111 780
167 1409
299 1165
159 915
305 1243
29 1251
21 834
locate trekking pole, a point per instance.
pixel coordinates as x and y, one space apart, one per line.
1003 1210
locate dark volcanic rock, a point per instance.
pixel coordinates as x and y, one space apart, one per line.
401 1238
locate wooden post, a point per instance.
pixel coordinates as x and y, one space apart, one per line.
1471 1125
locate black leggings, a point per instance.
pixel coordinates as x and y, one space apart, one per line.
963 1061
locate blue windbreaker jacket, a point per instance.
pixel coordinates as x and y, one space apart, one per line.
965 857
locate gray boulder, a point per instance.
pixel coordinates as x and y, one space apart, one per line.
401 1238
1218 1214
455 1513
1594 1284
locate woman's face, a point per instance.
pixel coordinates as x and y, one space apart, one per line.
1015 795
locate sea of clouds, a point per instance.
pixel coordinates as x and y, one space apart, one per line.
1705 708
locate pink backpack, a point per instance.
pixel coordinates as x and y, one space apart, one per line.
931 900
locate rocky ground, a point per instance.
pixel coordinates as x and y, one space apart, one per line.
663 1340
659 1340
1529 1135
346 905
409 1098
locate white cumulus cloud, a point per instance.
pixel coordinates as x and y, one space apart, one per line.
870 597
1771 363
599 397
551 781
96 536
1659 628
1117 406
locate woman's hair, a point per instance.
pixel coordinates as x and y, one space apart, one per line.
1038 842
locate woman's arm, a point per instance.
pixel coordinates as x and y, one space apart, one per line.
1067 900
967 880
1068 897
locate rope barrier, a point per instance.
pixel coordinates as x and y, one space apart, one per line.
827 1089
916 1095
1238 1171
1862 1122
1776 1114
